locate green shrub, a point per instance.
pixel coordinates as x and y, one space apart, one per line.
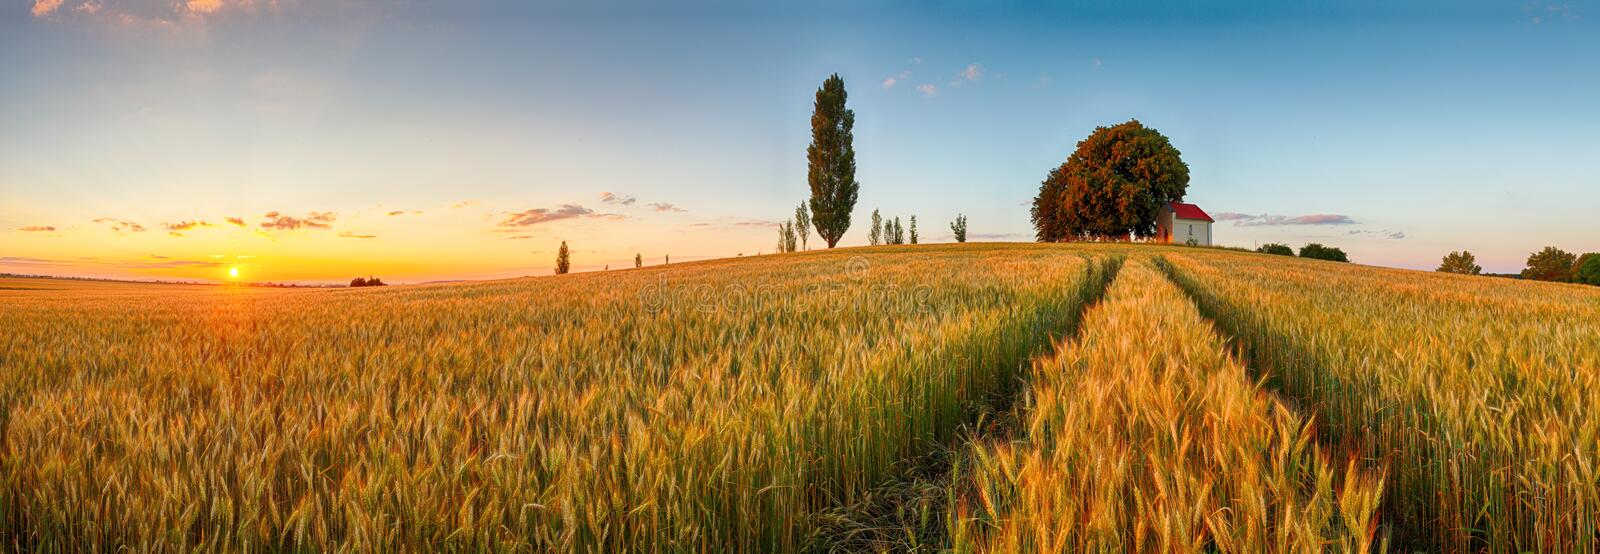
1319 252
1276 249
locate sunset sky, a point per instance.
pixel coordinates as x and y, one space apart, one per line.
417 141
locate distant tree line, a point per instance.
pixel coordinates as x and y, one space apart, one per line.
1550 264
368 282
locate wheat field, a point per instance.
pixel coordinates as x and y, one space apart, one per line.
706 406
1211 400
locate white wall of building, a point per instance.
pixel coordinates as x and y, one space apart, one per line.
1185 229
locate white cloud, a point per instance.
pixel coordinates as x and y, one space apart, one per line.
928 89
973 72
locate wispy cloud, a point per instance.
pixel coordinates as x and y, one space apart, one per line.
928 89
1543 12
1269 220
665 207
164 263
120 226
617 199
350 235
239 221
756 223
171 14
535 216
281 222
1382 234
177 229
998 236
464 203
38 228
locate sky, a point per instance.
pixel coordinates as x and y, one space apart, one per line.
421 141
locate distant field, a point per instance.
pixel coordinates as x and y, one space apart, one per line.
980 397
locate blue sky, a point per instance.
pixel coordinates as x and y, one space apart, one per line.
1429 127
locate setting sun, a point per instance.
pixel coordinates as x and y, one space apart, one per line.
233 272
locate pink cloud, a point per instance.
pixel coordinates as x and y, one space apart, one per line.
43 8
536 216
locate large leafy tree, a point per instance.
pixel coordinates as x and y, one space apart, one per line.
1462 262
831 161
1113 185
1550 264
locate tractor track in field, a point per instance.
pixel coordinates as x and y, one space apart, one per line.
1395 535
909 515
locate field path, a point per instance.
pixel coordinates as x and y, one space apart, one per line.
1145 433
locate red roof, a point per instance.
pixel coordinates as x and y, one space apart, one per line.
1189 211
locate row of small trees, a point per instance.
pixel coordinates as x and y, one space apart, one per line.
1549 264
1313 251
793 234
889 231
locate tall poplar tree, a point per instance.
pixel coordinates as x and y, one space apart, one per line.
563 261
959 227
802 225
831 161
875 235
